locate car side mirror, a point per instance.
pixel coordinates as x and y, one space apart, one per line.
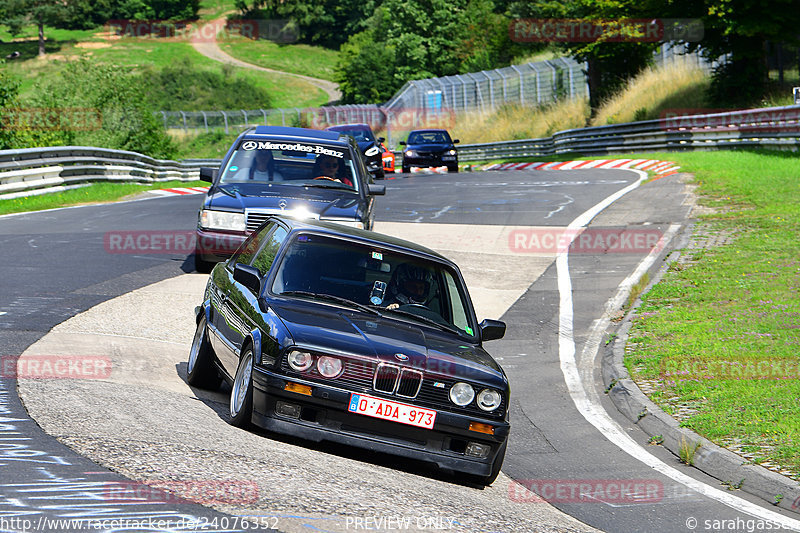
381 139
456 141
402 143
492 330
208 174
376 190
248 276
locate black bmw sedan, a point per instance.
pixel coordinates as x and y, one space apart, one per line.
430 148
336 334
278 170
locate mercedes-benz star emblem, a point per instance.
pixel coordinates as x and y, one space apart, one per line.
401 357
249 145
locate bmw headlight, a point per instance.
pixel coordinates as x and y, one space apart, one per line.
411 153
462 394
223 220
372 151
300 361
329 367
452 152
489 399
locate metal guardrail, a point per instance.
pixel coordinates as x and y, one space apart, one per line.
773 128
39 170
42 170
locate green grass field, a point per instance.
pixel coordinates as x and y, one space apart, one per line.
718 336
138 54
94 193
298 58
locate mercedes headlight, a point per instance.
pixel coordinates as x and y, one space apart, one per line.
452 152
223 220
373 150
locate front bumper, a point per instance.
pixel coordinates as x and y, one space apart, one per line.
434 160
217 246
324 417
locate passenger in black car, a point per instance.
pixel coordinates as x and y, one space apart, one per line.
263 168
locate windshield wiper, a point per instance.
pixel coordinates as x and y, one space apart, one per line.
331 298
426 320
327 184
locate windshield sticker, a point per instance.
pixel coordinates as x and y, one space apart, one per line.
377 255
234 168
297 147
468 330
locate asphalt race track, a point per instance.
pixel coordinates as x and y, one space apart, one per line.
66 293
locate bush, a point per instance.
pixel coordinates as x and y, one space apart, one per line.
182 87
99 105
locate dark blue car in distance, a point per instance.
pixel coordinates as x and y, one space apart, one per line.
296 172
335 334
430 148
367 143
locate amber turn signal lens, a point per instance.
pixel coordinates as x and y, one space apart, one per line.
481 428
296 387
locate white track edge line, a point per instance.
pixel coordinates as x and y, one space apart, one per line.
596 415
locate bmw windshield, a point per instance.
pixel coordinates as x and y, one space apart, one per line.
291 163
389 282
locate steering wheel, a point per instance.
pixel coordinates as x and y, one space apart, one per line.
326 178
422 306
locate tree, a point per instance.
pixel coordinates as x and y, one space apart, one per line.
740 28
365 69
9 88
609 64
19 13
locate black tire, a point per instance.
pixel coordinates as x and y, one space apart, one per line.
452 168
406 169
202 266
241 404
496 465
380 174
201 371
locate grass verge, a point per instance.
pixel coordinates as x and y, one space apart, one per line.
91 194
305 59
718 336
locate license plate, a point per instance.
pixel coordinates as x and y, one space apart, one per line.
394 411
448 158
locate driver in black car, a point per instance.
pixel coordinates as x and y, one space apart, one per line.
330 168
410 284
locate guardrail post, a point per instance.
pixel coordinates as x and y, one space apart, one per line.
246 125
205 120
264 114
185 127
225 116
163 114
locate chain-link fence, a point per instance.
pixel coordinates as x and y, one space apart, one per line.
432 102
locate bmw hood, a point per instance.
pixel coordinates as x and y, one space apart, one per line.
399 341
